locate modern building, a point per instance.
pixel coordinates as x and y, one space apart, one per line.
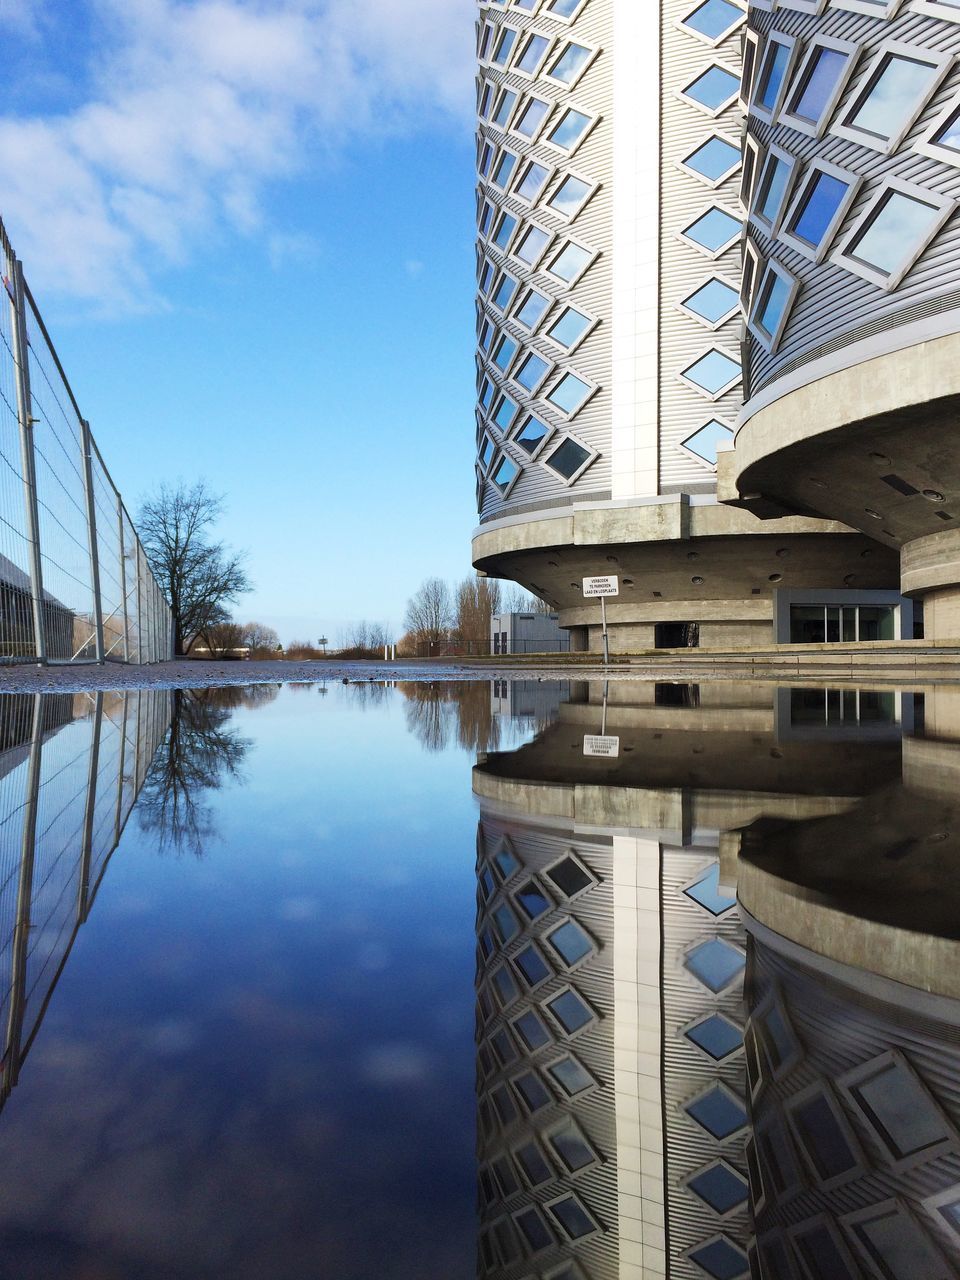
851 285
613 1098
608 319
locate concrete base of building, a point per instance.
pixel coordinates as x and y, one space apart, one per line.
930 571
689 574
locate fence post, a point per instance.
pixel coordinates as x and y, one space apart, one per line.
86 848
139 607
123 582
92 537
27 458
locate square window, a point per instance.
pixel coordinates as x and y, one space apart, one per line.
892 232
504 1105
504 987
486 156
773 187
532 966
569 876
714 231
503 416
721 1259
533 1164
774 74
505 104
570 1011
504 292
487 450
822 77
504 46
532 244
942 139
485 278
713 89
819 206
504 232
486 215
486 97
488 886
531 372
529 1027
570 394
532 309
822 1252
898 85
486 394
824 1136
713 373
532 55
532 435
894 1245
716 1036
505 861
502 1044
572 1077
570 943
715 963
569 459
570 328
505 475
574 1217
775 298
719 1111
535 1232
564 8
504 352
779 1162
945 1209
503 171
706 892
720 1187
570 197
570 263
713 160
713 302
532 901
532 1091
750 167
535 178
714 19
776 1035
706 443
505 1237
569 130
570 64
505 1176
571 1147
899 1110
531 118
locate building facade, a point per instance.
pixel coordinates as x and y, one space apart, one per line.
851 280
609 373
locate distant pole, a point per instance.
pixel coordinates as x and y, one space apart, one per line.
26 420
89 498
606 638
394 653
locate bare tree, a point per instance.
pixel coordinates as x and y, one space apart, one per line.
517 599
429 613
477 601
222 638
199 577
259 638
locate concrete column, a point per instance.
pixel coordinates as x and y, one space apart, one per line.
930 571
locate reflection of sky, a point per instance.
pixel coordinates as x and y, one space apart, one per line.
261 1063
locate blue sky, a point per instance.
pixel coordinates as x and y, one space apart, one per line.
249 226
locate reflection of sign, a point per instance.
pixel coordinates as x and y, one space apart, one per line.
601 586
595 745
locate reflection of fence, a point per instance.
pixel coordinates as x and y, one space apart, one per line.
70 771
74 580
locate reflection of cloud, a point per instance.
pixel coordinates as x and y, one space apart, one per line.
373 958
299 909
397 1064
171 1038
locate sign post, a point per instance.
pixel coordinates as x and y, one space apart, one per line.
603 744
602 587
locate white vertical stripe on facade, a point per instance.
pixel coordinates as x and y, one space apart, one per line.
636 249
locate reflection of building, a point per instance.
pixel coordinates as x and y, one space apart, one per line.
611 955
70 771
850 172
853 1043
608 318
527 633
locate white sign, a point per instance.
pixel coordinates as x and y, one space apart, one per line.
594 745
601 586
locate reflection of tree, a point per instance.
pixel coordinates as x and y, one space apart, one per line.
440 713
199 754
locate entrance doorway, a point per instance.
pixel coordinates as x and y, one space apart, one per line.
677 635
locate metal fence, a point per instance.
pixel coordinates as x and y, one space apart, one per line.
75 585
71 768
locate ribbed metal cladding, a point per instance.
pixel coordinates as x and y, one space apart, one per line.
834 306
683 267
595 1113
591 161
838 1025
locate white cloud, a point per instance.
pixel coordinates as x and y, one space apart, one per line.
195 107
413 267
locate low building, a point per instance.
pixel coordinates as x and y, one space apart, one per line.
528 633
